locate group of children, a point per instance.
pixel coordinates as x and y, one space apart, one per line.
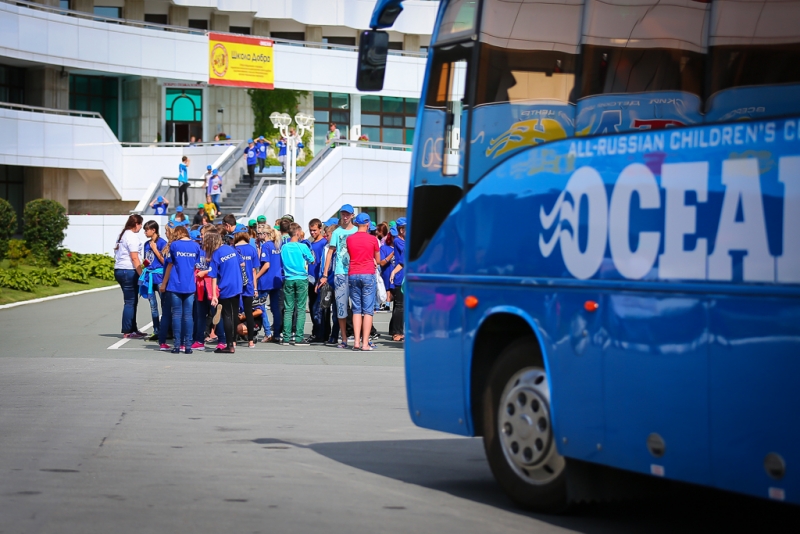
214 282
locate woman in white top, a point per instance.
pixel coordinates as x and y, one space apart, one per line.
127 269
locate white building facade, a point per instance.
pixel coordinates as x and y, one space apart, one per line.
92 91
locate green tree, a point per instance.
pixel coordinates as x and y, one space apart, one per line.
265 102
45 223
8 225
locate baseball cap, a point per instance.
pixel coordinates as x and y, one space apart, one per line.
401 221
392 224
362 218
288 217
252 222
179 209
393 231
239 228
195 235
332 220
249 141
261 137
160 199
215 171
372 227
261 219
208 167
201 206
347 208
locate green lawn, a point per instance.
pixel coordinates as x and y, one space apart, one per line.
8 296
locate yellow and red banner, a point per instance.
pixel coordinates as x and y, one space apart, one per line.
240 61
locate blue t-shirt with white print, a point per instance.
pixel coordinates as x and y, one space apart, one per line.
261 150
273 278
183 255
251 261
251 155
225 266
183 173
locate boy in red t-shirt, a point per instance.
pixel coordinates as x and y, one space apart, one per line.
365 255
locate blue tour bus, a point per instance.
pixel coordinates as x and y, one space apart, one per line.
601 268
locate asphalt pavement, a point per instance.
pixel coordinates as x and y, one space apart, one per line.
97 435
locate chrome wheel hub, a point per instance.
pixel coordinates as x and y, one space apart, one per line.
524 427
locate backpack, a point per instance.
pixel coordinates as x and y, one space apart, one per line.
326 296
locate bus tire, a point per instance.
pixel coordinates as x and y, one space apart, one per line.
518 438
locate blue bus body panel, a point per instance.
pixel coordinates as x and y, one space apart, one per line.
687 239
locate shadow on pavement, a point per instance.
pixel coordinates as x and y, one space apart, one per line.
458 467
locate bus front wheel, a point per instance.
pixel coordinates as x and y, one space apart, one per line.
518 435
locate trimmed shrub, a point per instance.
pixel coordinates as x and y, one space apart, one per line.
73 272
15 279
45 222
17 250
96 265
44 277
8 225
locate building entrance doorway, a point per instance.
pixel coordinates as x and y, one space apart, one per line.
184 115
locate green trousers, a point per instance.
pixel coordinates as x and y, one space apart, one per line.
295 295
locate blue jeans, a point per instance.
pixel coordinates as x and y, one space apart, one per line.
362 293
201 308
342 293
128 280
166 317
276 308
182 320
154 298
216 199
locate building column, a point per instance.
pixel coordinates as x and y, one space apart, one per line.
178 15
133 10
355 116
47 87
220 23
261 27
411 42
87 6
314 34
47 182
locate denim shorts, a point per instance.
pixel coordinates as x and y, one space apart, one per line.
342 294
362 292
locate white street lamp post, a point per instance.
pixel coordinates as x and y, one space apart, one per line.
281 121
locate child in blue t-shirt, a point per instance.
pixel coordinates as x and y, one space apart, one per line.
261 153
183 181
181 257
160 206
153 272
248 254
225 270
270 280
296 257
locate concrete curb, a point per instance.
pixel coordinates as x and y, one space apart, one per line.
56 297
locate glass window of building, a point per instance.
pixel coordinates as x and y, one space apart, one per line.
388 119
96 93
157 19
11 189
110 12
198 24
64 4
241 30
184 114
12 84
346 41
328 108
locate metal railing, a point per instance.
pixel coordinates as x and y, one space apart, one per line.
51 111
191 31
186 144
100 18
258 191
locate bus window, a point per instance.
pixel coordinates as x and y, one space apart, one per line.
642 66
438 177
458 20
753 45
526 78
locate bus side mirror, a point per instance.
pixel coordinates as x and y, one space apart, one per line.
373 49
